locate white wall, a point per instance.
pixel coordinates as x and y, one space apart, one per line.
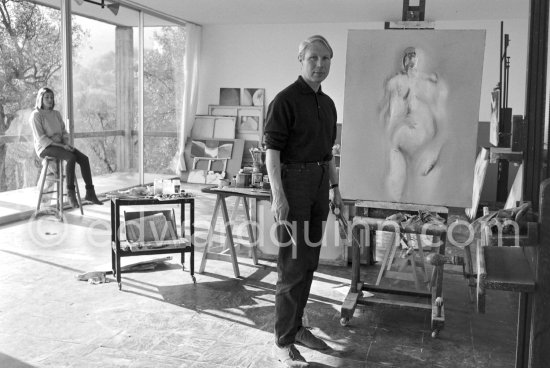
265 56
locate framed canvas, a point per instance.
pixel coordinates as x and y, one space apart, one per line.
203 127
248 123
211 148
224 127
220 110
218 127
253 97
230 96
411 115
250 120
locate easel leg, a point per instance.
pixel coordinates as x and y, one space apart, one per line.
469 273
420 259
438 308
356 286
397 240
390 250
356 258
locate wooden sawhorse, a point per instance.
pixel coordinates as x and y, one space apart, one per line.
372 217
242 194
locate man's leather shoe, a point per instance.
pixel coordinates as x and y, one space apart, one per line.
306 338
289 356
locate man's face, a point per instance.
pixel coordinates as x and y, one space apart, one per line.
316 63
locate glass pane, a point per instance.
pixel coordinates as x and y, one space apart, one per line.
104 85
164 49
29 60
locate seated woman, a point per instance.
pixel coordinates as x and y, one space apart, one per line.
52 139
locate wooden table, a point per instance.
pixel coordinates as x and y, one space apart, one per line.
242 194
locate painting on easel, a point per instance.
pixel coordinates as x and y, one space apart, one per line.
411 112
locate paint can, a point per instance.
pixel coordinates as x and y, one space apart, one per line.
243 180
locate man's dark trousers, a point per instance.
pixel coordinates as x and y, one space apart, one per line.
306 190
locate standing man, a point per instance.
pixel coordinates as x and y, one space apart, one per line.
299 134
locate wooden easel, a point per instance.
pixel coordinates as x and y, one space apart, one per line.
371 217
408 257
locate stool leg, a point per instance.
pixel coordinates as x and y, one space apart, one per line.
41 183
61 174
78 196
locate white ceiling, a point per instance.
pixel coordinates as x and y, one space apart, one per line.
207 12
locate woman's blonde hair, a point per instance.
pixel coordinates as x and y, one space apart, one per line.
40 95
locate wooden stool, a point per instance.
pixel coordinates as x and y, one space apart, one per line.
56 178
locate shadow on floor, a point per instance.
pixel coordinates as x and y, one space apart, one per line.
8 361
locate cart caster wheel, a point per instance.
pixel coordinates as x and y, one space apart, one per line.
194 279
435 333
344 321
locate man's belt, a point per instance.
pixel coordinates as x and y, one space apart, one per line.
303 165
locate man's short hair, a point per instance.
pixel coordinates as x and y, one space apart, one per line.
305 44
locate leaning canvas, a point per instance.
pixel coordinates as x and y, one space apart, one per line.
411 113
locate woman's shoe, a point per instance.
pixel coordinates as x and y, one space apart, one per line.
71 195
90 196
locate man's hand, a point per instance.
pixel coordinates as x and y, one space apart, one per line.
280 208
337 199
68 147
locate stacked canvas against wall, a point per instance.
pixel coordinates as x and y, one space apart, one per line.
220 142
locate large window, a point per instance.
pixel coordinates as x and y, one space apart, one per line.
164 48
30 58
104 73
94 95
105 93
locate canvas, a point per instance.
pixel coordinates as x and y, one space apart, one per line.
411 112
230 96
482 161
232 149
203 127
249 123
211 148
224 127
252 96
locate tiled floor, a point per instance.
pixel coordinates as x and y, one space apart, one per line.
160 319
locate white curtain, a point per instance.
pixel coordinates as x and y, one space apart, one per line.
191 84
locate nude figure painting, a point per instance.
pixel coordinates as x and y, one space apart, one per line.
411 111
